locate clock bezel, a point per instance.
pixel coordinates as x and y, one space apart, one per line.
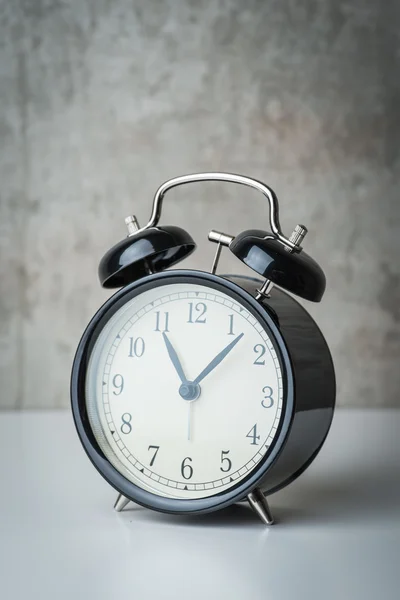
78 395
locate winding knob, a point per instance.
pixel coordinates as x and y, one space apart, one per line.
132 224
298 234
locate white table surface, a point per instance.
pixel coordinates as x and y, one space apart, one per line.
337 536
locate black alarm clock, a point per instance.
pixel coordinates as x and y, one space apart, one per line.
191 390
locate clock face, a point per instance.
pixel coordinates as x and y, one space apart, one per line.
184 390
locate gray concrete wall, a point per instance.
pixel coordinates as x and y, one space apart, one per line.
102 101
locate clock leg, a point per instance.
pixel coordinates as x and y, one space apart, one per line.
259 504
120 503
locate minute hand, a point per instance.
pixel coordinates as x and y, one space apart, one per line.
215 361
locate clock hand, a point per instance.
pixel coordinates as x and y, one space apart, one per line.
189 420
186 390
215 361
174 358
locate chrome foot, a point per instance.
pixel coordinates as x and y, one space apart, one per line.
121 502
259 504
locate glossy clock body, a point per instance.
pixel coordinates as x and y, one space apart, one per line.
188 393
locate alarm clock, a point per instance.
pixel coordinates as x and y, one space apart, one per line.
193 390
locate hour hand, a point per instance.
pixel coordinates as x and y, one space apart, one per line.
174 358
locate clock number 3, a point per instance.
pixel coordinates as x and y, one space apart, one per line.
267 401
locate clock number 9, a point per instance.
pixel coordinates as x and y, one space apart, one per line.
118 383
186 470
267 401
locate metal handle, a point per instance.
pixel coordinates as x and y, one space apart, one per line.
230 178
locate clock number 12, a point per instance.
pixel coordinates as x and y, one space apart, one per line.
199 308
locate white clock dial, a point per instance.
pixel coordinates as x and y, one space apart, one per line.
184 390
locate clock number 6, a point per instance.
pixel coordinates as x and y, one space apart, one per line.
186 470
267 401
225 459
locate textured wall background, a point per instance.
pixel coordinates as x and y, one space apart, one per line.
102 101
